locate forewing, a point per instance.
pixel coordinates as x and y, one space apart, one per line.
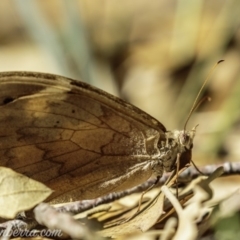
78 140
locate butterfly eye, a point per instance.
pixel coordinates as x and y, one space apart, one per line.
184 139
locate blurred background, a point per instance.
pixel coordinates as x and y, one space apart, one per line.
155 54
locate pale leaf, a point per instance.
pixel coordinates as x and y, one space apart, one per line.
19 193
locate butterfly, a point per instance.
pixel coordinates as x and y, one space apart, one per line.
79 140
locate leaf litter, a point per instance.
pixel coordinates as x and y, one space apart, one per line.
154 210
161 213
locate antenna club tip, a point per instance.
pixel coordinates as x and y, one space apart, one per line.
220 61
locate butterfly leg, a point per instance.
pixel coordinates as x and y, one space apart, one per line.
151 187
178 165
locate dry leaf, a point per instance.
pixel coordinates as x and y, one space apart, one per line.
141 222
19 193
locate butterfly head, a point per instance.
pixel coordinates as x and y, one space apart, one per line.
185 138
177 143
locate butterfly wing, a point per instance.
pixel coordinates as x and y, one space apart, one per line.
78 140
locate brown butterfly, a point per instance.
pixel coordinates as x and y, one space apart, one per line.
81 141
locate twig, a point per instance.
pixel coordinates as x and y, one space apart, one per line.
48 216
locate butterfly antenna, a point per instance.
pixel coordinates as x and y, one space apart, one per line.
197 104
